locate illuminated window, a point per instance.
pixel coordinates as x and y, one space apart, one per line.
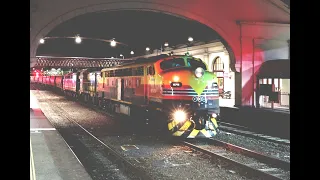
218 65
218 70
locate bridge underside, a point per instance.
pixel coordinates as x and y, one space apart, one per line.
76 62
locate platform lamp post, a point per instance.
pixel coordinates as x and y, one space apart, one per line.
166 44
190 39
78 39
147 50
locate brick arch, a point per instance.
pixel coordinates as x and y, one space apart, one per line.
231 44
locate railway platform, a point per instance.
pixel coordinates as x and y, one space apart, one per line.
50 157
273 122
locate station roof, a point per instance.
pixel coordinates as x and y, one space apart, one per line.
279 68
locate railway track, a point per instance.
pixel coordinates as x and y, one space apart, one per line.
93 165
254 163
244 131
261 166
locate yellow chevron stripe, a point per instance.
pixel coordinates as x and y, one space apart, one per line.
193 133
181 130
178 133
171 125
211 126
205 133
214 121
185 126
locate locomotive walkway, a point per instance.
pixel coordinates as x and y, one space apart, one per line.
50 157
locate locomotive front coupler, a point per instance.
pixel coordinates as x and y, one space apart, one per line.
200 118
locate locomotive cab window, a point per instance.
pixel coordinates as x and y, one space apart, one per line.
194 64
172 63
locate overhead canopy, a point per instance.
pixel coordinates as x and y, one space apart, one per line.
279 68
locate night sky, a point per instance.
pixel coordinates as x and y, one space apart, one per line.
138 29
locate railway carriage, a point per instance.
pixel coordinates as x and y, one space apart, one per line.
70 84
88 85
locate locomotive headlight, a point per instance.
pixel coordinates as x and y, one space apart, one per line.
180 115
176 78
199 72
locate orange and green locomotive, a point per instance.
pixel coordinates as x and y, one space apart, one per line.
176 90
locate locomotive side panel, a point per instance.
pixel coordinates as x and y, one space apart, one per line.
125 84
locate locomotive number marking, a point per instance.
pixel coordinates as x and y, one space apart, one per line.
199 99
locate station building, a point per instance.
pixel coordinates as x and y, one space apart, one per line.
216 56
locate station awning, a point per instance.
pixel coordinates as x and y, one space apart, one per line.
279 68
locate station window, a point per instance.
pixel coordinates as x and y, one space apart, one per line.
218 70
282 87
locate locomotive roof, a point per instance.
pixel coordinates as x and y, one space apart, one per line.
142 60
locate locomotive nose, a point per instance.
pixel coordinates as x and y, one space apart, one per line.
177 78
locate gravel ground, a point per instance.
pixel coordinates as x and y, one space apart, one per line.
160 159
277 150
166 161
240 158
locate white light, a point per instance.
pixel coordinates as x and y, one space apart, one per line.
214 115
180 116
112 57
131 52
166 44
121 55
41 41
199 72
147 49
113 43
190 39
176 78
78 40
